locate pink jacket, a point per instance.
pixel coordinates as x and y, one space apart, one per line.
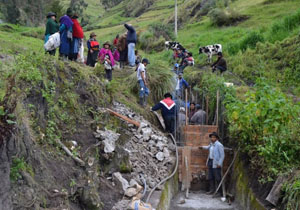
102 54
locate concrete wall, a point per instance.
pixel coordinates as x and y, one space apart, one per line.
244 195
169 191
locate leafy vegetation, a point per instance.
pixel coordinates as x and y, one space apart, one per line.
292 194
19 165
266 125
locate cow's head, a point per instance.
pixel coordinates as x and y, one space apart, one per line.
201 50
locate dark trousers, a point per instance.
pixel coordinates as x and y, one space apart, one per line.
214 175
108 74
170 123
221 68
51 52
73 56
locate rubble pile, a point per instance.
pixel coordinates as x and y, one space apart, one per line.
150 150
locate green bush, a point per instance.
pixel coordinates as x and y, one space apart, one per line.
135 8
222 17
280 30
250 40
266 125
292 194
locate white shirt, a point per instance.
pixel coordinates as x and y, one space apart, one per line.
178 84
141 69
211 151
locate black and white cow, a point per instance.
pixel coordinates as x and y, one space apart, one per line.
210 50
174 45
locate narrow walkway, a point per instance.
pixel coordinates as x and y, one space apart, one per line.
199 201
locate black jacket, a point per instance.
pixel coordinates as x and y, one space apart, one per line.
131 35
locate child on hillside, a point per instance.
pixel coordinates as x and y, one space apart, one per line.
106 58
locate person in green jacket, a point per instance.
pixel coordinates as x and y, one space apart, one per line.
51 28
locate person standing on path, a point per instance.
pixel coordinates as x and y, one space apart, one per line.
168 109
123 50
93 50
131 41
141 77
51 28
106 57
66 31
214 161
77 38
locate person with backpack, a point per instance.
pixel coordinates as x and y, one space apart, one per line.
123 50
106 57
77 38
141 77
51 28
66 34
93 50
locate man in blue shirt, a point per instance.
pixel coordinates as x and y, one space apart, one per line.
181 85
214 161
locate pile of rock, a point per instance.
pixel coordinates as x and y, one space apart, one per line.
151 152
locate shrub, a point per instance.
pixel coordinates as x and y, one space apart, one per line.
266 125
137 7
222 17
292 194
250 40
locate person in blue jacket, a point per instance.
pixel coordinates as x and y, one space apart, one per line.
181 85
214 161
66 30
131 41
168 110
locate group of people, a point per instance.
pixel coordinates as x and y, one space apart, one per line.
71 34
71 44
183 58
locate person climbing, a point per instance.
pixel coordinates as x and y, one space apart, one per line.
192 110
123 50
77 38
187 60
168 109
220 64
199 117
214 161
181 85
106 57
65 29
141 77
131 41
93 50
51 28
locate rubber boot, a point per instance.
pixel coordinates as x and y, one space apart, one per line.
145 100
141 101
211 187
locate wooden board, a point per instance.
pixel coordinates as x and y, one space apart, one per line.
186 172
160 120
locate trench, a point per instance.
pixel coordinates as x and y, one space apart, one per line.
186 190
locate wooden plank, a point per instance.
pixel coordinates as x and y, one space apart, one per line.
186 178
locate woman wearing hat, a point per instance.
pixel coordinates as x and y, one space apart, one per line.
106 57
51 28
93 50
77 38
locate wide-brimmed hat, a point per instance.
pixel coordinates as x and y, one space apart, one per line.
214 134
50 14
92 34
106 43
